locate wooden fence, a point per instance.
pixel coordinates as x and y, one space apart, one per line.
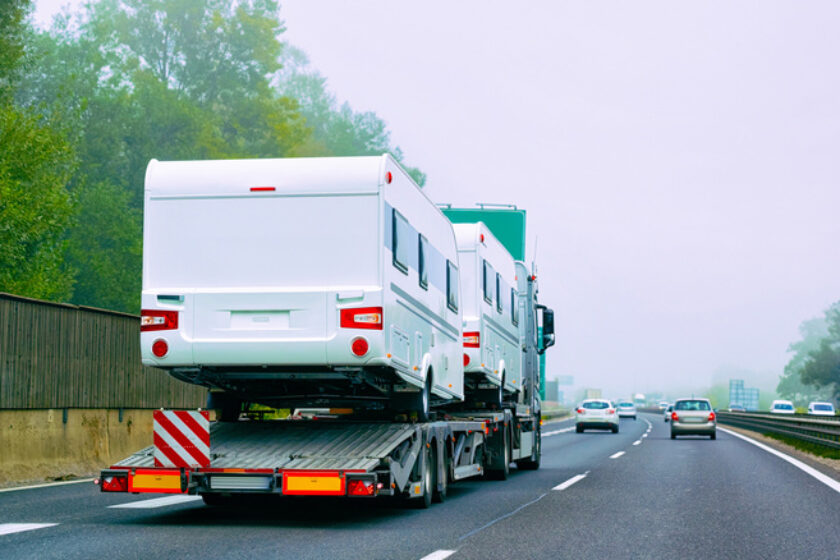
55 355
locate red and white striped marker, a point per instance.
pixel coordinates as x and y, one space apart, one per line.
182 438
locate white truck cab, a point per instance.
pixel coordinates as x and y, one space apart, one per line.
303 282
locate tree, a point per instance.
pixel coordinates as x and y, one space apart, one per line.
791 385
822 366
12 34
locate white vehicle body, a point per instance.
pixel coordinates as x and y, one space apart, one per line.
275 268
626 409
596 413
491 311
821 409
782 407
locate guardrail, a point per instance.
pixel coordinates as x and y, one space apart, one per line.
821 431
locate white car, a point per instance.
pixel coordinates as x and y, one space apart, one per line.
596 413
667 412
782 407
821 409
626 409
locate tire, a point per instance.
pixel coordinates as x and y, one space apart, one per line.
428 480
502 472
673 435
579 429
441 487
615 429
533 463
713 436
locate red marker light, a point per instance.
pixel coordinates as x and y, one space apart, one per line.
481 237
359 346
466 360
388 177
263 189
160 348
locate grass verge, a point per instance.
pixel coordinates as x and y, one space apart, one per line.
807 447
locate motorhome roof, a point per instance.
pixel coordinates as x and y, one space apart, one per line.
335 175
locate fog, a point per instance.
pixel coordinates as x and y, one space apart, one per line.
678 162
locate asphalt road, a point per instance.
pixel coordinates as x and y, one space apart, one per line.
597 495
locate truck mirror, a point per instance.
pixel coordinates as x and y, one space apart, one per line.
548 322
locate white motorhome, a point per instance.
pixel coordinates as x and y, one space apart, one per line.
305 282
492 354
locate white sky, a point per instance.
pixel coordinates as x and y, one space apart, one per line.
678 161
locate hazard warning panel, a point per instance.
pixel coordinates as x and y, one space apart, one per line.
182 438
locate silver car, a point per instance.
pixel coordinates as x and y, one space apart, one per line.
596 413
626 410
693 417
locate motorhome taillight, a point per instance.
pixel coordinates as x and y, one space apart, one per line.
362 318
160 348
359 346
471 339
466 359
263 189
158 320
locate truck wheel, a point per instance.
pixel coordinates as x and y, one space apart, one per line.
441 486
423 400
501 472
533 463
428 480
579 429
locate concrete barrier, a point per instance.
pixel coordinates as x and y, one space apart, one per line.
59 444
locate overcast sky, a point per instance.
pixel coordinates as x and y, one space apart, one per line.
679 162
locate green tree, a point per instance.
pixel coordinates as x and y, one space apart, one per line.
822 365
791 385
12 35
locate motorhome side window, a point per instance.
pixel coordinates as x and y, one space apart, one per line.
402 242
489 282
514 308
451 286
499 291
422 268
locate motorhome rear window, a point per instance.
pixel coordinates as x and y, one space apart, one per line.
451 286
402 243
489 282
422 269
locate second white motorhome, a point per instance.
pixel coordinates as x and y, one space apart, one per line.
303 282
492 354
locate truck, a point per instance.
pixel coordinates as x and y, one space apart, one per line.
367 449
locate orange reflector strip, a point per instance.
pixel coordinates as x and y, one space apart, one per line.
155 480
313 484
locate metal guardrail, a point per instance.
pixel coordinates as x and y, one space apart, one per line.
821 431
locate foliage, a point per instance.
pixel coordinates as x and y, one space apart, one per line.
12 37
791 385
817 361
36 163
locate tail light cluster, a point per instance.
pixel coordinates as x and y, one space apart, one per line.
675 417
580 411
472 339
158 320
362 487
362 318
114 483
611 411
711 417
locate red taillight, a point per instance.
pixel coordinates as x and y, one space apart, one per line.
388 177
359 346
466 360
362 318
611 411
580 411
711 417
674 417
360 487
158 320
160 348
114 484
472 339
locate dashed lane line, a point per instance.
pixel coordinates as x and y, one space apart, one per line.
828 481
439 555
616 455
157 502
10 528
555 432
573 480
637 442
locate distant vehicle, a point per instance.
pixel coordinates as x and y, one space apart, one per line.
736 408
693 417
667 412
782 407
821 409
626 409
664 404
596 413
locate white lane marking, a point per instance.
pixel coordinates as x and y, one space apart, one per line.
439 555
555 432
158 502
828 481
46 485
637 442
573 480
650 426
644 435
616 455
9 528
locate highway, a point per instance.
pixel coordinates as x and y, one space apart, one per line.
635 494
